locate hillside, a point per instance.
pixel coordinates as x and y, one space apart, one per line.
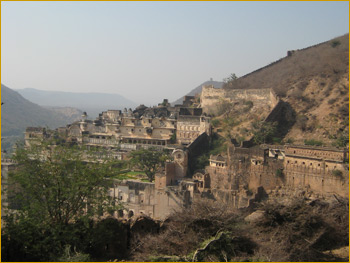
315 83
197 90
17 113
92 103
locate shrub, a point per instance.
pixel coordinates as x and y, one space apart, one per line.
342 140
331 101
337 173
249 105
301 122
215 122
276 140
313 142
335 43
279 173
263 131
223 107
290 140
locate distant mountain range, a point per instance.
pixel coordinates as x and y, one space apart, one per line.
17 113
217 84
92 103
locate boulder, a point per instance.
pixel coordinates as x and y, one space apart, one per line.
255 217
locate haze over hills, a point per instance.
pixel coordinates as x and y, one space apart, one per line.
92 103
17 113
216 84
315 83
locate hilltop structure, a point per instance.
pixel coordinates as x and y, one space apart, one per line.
162 126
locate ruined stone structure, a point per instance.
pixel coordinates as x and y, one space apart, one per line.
316 170
211 98
171 191
320 169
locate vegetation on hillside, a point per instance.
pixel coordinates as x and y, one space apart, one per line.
315 83
209 231
217 145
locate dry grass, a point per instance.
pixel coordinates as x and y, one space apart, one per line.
308 80
301 230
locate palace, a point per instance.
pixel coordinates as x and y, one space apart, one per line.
238 178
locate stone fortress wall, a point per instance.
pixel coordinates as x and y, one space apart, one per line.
321 169
211 97
317 170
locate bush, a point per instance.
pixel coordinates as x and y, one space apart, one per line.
223 107
313 142
331 101
249 105
290 140
301 122
263 132
301 230
276 140
185 231
335 43
342 140
279 173
215 122
337 173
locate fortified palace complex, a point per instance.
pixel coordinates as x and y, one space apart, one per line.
238 177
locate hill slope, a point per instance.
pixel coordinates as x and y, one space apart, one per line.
315 82
92 103
217 85
17 113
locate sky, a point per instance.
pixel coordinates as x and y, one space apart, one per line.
148 51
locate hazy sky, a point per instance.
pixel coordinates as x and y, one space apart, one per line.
147 51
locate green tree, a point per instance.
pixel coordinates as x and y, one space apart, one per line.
60 184
56 192
148 160
342 140
230 78
263 131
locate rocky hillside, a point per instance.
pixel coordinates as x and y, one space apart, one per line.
67 113
315 83
17 113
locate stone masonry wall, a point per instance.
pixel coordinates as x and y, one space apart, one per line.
266 175
212 97
316 179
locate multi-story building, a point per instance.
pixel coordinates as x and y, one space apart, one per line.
161 126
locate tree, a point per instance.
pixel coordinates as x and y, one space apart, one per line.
230 78
56 191
60 184
263 131
342 140
148 160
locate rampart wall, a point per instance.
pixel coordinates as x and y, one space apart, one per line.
312 152
212 97
318 179
266 175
